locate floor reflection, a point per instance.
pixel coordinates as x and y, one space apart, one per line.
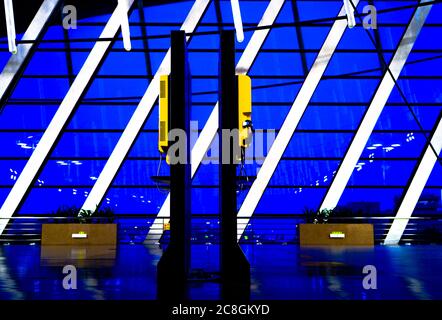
278 272
79 256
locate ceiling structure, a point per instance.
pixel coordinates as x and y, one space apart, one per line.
25 10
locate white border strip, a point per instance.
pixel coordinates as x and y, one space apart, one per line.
32 33
375 109
211 127
415 189
291 122
59 120
139 117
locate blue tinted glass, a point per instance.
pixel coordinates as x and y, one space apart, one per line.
314 153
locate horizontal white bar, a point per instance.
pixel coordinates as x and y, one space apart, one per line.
79 236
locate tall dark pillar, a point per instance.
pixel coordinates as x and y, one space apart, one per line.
174 265
235 269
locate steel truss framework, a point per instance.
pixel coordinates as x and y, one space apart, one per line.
374 111
309 81
59 121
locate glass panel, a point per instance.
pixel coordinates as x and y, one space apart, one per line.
289 201
312 156
372 201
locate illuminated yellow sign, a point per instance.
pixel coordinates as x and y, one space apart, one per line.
245 110
163 125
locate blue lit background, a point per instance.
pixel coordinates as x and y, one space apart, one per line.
316 149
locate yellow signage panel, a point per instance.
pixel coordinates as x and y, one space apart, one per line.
245 109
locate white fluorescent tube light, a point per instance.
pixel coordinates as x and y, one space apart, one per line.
125 30
350 12
237 20
10 26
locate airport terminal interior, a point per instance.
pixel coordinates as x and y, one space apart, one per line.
206 149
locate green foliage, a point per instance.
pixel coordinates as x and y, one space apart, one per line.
84 215
343 215
318 217
75 214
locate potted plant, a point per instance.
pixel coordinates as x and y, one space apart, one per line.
318 217
318 231
81 227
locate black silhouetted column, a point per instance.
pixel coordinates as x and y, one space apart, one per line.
174 265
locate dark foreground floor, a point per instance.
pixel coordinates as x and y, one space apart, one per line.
278 272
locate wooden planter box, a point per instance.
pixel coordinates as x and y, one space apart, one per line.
336 234
79 234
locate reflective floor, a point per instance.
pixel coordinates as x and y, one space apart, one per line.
278 272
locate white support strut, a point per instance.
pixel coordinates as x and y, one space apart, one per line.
291 122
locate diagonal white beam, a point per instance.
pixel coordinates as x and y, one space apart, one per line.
291 122
11 71
373 112
60 119
210 129
414 190
139 117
